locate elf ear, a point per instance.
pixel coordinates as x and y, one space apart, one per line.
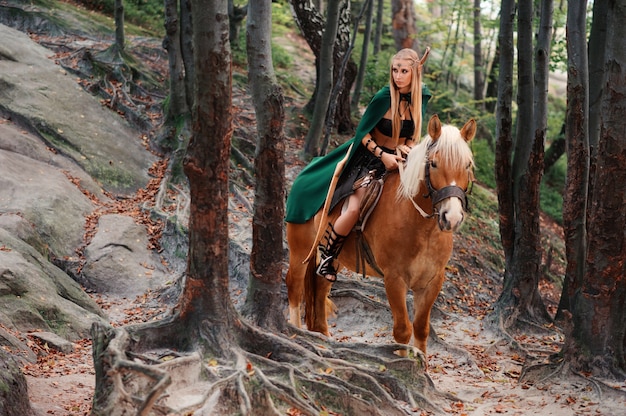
426 52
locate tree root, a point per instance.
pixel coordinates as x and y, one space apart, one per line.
263 373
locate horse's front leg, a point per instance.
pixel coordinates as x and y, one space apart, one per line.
396 295
423 301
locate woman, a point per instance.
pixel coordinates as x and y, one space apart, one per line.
392 120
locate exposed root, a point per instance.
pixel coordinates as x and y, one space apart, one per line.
299 372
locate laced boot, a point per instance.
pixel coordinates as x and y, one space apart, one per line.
330 246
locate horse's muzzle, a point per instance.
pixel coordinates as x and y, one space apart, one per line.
451 215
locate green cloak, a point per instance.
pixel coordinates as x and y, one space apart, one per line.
309 190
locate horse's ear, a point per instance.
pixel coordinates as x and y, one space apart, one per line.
469 130
434 127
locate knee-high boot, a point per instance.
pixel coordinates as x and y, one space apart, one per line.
330 246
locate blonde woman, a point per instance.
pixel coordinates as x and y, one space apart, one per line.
392 120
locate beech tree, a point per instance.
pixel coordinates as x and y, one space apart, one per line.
324 84
598 340
177 105
311 24
264 303
518 184
403 21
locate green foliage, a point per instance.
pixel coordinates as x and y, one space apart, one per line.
147 14
484 158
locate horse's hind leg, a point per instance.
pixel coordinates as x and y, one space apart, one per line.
298 249
396 295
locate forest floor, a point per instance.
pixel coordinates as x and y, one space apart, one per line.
467 358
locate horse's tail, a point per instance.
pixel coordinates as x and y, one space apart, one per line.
310 294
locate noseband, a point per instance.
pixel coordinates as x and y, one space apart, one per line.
438 195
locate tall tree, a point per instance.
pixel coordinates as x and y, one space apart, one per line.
324 82
205 297
367 34
479 70
598 339
186 48
378 34
404 24
264 301
578 153
119 24
518 183
311 24
177 105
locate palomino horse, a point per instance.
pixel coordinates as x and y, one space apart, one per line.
409 233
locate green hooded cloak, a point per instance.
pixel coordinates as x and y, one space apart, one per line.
309 190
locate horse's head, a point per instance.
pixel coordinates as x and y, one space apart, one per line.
447 172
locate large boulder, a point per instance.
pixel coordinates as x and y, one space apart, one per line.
46 100
35 295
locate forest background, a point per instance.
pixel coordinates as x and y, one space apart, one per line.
456 99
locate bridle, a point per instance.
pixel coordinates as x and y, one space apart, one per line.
438 195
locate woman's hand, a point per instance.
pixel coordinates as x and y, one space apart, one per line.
391 161
404 149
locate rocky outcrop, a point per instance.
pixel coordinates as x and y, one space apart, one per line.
62 155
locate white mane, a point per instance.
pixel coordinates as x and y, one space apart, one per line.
452 153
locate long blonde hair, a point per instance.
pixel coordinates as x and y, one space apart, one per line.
410 55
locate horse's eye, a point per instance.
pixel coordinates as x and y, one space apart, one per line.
433 164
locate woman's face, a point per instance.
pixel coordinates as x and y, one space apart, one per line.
402 74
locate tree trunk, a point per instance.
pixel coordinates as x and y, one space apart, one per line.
555 151
311 24
479 70
178 100
264 303
364 54
504 131
379 25
186 48
206 298
236 15
119 24
599 307
576 130
324 83
596 51
520 296
404 26
491 96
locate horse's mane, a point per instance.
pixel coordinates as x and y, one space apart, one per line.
452 152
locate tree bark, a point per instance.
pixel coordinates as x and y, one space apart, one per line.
599 307
404 24
479 70
186 48
379 25
119 24
520 298
205 303
264 303
311 24
324 82
172 43
578 154
504 131
367 34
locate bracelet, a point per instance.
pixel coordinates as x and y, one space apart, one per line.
380 155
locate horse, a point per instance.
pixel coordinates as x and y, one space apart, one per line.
409 232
